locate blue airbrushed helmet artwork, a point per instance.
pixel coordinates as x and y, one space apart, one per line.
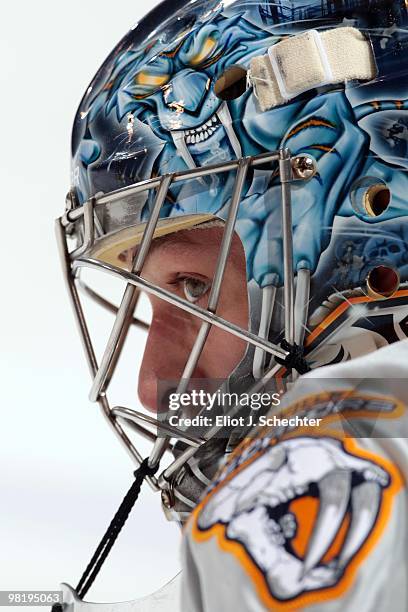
205 83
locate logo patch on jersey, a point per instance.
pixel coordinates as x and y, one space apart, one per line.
300 516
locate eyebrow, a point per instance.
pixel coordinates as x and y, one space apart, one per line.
182 240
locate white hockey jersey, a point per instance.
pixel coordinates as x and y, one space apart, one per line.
312 517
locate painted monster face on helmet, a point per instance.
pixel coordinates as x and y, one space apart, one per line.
155 137
155 111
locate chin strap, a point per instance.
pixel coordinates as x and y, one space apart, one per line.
294 360
112 532
309 60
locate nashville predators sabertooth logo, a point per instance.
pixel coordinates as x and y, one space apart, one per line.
262 507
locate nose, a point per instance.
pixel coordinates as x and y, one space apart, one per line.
166 352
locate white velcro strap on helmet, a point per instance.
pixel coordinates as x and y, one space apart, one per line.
309 60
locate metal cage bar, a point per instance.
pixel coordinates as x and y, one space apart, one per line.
107 305
201 338
88 347
263 158
193 309
89 229
76 260
127 306
189 452
285 168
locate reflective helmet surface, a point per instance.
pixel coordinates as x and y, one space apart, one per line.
153 109
184 90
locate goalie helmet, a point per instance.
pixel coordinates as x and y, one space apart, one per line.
285 124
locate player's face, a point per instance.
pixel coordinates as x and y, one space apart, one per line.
184 263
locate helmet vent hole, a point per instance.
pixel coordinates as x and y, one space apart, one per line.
382 282
377 199
231 84
370 197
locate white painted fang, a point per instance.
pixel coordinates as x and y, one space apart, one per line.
365 502
182 149
224 116
334 493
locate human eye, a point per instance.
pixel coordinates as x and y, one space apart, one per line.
194 288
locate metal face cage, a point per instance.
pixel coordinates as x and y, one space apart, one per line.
85 221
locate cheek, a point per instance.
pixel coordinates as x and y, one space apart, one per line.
233 304
223 350
174 324
222 353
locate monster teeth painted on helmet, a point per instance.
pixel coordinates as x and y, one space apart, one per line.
202 132
182 138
